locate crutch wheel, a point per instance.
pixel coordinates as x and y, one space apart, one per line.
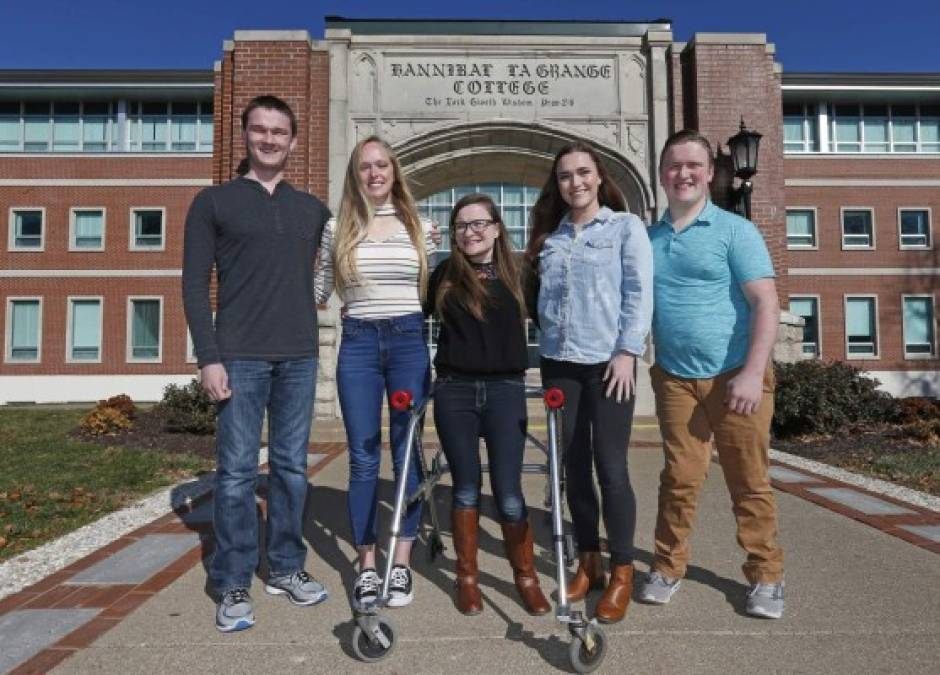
584 658
371 646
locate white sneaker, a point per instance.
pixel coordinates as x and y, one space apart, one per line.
765 600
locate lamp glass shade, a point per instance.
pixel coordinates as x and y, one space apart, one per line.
744 146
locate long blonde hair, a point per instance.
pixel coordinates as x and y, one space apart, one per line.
460 279
356 211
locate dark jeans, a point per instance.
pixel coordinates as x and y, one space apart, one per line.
377 358
595 431
465 410
286 390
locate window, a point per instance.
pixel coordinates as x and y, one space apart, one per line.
904 128
144 329
37 127
918 326
84 330
799 128
26 229
857 228
87 230
874 127
513 201
915 228
170 126
65 127
808 309
861 326
96 119
24 330
147 229
847 127
801 228
9 126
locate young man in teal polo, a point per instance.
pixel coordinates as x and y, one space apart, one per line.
714 326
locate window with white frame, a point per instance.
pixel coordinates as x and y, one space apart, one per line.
800 127
858 229
808 309
919 336
801 228
87 230
880 127
170 126
84 329
914 227
10 123
24 330
861 326
26 229
144 329
147 226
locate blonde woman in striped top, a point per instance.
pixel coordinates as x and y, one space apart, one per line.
375 254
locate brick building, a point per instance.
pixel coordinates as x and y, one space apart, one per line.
97 169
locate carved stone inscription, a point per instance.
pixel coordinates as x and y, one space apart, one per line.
569 85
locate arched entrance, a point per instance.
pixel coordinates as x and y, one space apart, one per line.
505 152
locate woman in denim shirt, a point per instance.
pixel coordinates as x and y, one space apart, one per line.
481 361
595 306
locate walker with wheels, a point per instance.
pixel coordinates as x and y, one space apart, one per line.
374 635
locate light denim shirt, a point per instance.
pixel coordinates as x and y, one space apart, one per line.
596 291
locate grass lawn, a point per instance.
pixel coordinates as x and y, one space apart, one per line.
52 483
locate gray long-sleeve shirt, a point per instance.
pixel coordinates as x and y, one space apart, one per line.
264 247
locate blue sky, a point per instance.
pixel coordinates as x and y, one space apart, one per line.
810 36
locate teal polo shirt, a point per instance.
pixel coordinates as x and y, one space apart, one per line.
701 318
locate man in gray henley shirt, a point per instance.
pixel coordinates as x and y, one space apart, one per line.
260 353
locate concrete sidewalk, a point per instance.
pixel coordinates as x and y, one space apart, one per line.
858 599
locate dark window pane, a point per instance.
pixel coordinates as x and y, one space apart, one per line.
66 107
96 107
184 108
793 109
155 108
207 107
151 222
876 110
9 107
35 108
30 223
846 110
903 110
930 110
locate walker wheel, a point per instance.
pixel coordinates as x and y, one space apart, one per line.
374 645
583 658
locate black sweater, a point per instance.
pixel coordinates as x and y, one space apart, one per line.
263 247
466 347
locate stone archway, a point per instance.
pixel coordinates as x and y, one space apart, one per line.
505 151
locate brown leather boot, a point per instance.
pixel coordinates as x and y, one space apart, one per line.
465 526
517 538
614 602
590 575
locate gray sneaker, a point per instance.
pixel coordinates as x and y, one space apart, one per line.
657 589
300 588
765 600
234 611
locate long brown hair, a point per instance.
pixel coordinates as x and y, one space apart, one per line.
461 280
356 211
550 206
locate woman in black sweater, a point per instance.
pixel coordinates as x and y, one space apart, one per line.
480 391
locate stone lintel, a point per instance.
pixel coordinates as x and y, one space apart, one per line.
272 36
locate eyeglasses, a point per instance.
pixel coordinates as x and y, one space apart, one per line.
474 225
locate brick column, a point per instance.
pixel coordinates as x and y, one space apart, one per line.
724 77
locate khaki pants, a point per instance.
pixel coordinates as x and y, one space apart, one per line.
690 412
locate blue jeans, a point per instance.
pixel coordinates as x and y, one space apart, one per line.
465 410
286 389
376 358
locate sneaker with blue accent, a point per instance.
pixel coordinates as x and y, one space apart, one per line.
400 588
234 611
657 588
765 600
299 587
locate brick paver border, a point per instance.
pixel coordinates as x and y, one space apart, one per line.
116 601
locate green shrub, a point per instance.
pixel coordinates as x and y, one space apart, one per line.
817 397
187 409
104 420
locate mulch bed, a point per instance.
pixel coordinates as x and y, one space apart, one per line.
149 433
886 452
